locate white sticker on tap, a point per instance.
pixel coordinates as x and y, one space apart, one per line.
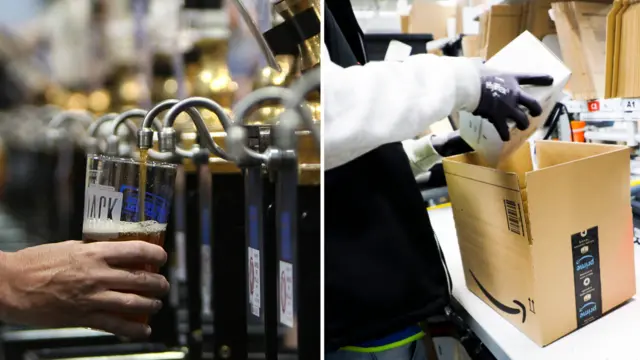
254 281
285 299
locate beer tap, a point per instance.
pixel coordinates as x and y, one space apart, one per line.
113 140
167 136
199 296
92 146
281 161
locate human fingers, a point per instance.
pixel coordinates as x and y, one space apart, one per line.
117 326
120 302
534 79
534 107
136 281
503 129
520 118
133 252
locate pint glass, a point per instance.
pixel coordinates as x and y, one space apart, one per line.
127 200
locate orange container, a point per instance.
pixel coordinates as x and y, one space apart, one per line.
577 131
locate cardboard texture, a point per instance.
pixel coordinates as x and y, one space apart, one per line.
427 17
525 54
581 28
550 250
627 72
610 47
538 21
504 25
622 71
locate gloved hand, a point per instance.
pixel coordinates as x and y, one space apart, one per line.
450 144
426 151
501 98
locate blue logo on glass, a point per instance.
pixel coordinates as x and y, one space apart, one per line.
588 309
156 207
585 262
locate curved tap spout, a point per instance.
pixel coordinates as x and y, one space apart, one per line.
72 117
188 105
167 135
291 118
237 137
95 126
124 118
82 117
92 146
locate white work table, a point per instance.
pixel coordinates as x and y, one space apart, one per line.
616 336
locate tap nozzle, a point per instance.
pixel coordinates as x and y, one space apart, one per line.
145 134
188 105
145 138
113 140
237 135
167 139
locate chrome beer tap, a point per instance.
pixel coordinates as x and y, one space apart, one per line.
113 140
281 161
199 297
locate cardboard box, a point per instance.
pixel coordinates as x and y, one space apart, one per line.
550 250
582 28
504 24
526 54
428 17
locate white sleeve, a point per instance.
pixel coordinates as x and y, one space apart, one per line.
422 155
382 102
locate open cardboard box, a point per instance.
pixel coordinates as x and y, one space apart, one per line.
551 250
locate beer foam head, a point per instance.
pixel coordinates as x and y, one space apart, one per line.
115 227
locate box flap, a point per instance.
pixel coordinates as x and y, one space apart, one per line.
470 166
552 153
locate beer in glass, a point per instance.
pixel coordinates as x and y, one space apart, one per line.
127 200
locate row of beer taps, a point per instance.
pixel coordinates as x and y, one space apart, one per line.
296 117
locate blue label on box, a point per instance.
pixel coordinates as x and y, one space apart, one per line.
586 275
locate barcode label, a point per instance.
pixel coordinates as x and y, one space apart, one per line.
513 216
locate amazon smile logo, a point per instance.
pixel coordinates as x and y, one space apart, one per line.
509 310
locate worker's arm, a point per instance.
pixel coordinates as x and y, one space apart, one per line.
383 102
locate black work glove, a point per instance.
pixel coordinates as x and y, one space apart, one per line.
501 98
450 144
